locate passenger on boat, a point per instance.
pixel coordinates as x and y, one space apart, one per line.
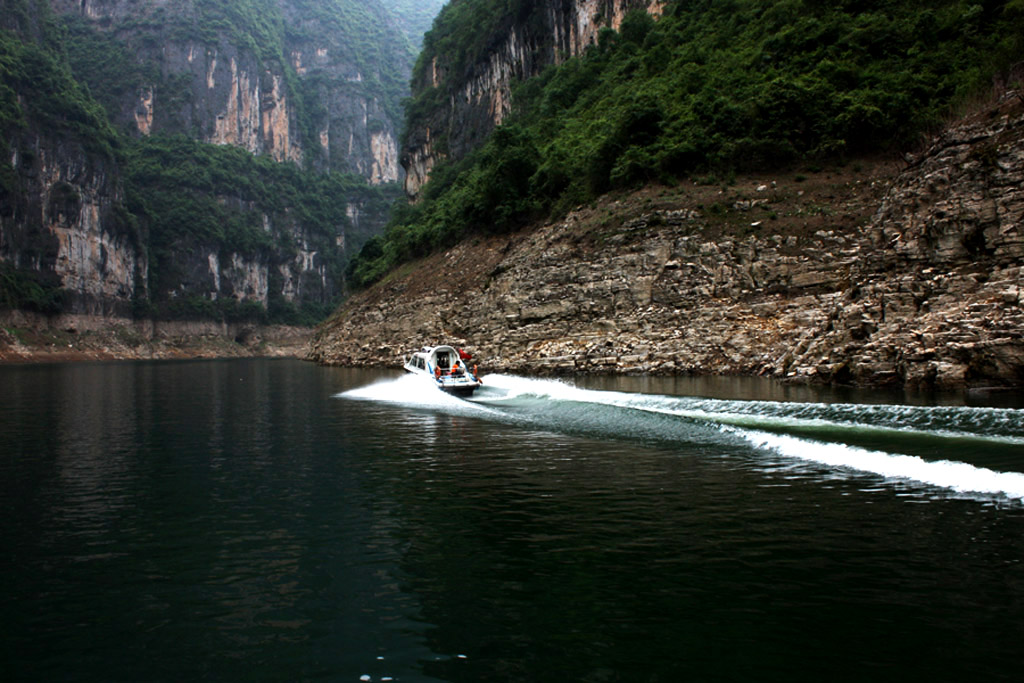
456 369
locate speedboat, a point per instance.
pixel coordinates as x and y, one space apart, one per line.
446 367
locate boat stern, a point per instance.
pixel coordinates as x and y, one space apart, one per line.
459 386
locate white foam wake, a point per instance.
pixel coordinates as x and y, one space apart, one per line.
504 387
957 476
747 420
410 390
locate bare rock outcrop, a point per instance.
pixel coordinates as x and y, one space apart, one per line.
233 92
917 282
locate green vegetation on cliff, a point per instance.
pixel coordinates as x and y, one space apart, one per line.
711 88
415 17
118 57
223 200
465 30
65 78
360 34
37 86
27 290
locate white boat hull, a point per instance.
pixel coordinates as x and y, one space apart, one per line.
443 366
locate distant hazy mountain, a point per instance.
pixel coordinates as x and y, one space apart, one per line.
415 16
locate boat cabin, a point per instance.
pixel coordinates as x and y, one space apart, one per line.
437 363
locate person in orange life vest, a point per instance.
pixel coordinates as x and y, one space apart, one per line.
456 369
437 372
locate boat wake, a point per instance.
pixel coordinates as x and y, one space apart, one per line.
414 391
961 449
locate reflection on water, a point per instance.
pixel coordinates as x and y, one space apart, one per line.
280 521
760 389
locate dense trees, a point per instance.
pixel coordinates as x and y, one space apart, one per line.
712 87
59 103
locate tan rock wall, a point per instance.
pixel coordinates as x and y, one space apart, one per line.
927 292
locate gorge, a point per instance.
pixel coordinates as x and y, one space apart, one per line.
613 186
883 269
197 166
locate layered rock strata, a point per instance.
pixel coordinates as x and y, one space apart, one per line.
927 291
65 224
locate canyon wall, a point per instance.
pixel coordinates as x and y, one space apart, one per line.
317 99
92 81
915 279
67 224
301 267
65 240
474 98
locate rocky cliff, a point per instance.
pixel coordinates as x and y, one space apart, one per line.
288 79
66 222
111 204
465 98
65 240
868 277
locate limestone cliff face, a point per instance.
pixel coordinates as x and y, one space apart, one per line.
232 95
301 275
923 290
66 224
476 101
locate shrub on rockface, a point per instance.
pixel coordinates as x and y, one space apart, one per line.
28 290
711 86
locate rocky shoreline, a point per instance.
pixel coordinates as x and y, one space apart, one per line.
907 276
28 338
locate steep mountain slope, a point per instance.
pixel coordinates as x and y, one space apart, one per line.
294 79
215 160
861 274
65 239
689 90
531 244
472 57
415 17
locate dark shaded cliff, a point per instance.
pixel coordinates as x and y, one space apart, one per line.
216 161
66 241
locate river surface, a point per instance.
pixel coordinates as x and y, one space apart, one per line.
272 520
